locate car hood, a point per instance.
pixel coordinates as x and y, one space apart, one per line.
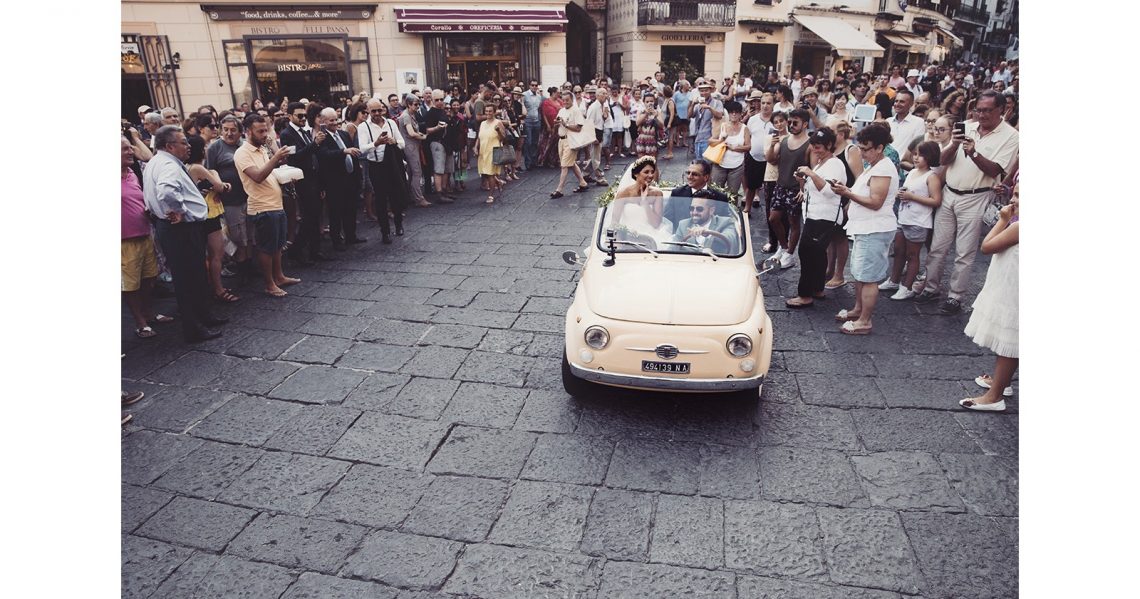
677 292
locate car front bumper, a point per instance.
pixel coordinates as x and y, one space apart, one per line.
667 384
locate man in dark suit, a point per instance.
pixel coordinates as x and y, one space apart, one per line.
339 175
706 229
305 140
697 174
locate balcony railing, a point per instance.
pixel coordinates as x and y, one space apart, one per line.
971 14
704 14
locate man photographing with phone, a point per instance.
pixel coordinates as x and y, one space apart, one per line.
977 159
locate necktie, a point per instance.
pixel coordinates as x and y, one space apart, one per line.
308 140
347 158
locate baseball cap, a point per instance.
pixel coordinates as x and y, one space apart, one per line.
144 108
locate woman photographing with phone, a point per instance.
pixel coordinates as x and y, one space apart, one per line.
822 215
994 321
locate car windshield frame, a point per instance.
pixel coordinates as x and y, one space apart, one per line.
728 209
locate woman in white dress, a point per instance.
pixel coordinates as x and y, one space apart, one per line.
993 323
638 205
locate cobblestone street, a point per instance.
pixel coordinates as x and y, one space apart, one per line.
396 428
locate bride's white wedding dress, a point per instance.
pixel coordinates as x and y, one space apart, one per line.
635 217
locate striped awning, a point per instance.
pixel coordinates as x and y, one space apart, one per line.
480 20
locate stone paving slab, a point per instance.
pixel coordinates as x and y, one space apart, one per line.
396 428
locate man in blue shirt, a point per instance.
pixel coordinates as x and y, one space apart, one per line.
704 110
532 101
180 211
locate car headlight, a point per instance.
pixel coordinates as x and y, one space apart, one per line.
599 338
739 345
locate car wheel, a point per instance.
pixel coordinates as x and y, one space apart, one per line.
572 384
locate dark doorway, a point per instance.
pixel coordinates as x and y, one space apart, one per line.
757 59
615 71
690 59
581 44
135 94
810 60
312 85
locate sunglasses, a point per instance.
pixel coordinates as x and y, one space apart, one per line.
300 116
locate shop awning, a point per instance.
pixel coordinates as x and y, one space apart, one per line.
846 40
481 20
912 43
957 41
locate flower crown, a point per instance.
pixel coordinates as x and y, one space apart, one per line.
644 160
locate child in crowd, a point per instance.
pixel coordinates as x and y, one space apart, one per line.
919 197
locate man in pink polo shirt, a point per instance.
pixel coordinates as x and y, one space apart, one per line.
139 263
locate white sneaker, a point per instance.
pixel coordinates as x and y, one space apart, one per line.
888 285
903 294
787 261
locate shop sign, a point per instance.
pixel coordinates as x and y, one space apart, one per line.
286 12
480 28
595 4
704 38
130 48
300 66
242 30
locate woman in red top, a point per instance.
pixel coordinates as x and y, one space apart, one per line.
548 139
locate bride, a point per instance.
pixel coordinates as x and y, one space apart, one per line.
638 205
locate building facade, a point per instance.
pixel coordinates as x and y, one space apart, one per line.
226 52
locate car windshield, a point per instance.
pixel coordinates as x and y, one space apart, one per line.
674 225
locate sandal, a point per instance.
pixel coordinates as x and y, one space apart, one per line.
288 281
849 328
145 333
490 200
161 319
833 284
582 188
845 316
226 297
276 293
555 195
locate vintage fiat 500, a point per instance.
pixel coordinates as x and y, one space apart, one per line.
668 306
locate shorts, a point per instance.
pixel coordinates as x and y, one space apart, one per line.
914 233
753 172
269 230
213 224
784 198
681 124
567 156
607 138
438 157
869 263
236 225
138 261
449 162
599 134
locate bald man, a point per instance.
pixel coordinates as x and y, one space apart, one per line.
338 169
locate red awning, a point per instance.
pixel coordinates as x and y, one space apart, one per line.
482 20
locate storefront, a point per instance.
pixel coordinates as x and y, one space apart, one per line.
639 54
467 46
828 44
904 50
184 54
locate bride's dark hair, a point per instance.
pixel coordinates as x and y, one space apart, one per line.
640 164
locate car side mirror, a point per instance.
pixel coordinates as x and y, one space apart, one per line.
571 257
766 267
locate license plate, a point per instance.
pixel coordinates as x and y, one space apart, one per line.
666 367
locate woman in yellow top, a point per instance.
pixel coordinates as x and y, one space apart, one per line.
211 185
491 135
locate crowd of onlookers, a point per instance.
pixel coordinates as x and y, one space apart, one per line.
850 170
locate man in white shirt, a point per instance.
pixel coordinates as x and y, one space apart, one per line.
975 163
912 82
755 162
598 116
905 127
380 144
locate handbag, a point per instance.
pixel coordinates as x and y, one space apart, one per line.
581 138
715 154
503 155
992 212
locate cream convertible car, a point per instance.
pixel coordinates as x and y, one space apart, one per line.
671 307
